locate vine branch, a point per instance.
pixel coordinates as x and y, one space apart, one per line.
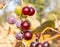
56 36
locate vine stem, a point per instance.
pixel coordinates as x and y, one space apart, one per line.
22 2
55 17
58 35
56 20
54 37
24 43
50 29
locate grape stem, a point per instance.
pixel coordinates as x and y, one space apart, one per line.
58 35
9 30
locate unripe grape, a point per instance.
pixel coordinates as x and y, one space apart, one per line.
11 19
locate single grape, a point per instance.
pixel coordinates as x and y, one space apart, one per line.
11 19
19 36
33 44
18 23
46 44
39 45
32 11
25 10
25 25
27 35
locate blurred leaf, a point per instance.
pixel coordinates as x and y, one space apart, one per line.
3 19
44 25
30 1
50 17
19 44
40 9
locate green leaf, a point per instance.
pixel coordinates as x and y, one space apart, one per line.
44 25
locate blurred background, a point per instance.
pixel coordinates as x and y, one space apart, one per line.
46 10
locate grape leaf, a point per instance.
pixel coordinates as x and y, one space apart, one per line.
44 25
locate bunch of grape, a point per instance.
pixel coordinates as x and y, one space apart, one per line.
24 25
35 44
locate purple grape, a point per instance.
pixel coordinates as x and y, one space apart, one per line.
11 19
46 44
18 23
33 44
19 36
39 45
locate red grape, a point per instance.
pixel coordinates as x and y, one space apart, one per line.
32 11
25 25
25 10
27 35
